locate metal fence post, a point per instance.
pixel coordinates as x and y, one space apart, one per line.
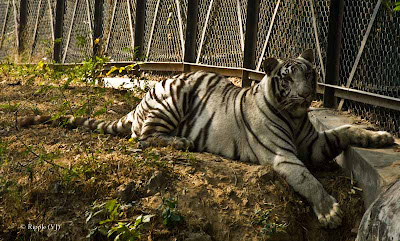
191 33
333 51
22 24
250 42
98 26
139 28
58 30
16 25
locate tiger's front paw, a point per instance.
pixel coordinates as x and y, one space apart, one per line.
329 213
380 139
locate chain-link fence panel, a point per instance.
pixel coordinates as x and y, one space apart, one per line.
165 30
265 19
322 12
77 31
220 34
150 12
38 33
293 29
119 29
378 70
355 22
8 31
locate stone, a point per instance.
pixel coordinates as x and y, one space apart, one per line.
127 192
155 183
382 219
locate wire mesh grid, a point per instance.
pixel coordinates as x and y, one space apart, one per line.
223 41
293 30
119 30
149 17
264 21
39 30
8 29
169 30
321 10
77 30
378 70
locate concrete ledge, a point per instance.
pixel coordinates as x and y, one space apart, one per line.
373 169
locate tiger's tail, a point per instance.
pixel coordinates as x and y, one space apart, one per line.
120 127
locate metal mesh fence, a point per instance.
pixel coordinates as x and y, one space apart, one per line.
166 31
378 70
39 30
78 29
150 12
119 22
321 8
293 29
220 35
9 12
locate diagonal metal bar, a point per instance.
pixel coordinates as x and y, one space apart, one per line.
317 40
130 25
360 51
90 24
51 19
111 26
69 32
2 33
152 29
180 23
16 25
204 31
239 15
36 27
268 35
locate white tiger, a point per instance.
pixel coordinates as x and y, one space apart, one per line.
266 123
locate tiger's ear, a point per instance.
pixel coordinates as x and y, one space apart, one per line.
308 55
270 65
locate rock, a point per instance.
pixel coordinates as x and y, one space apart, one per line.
128 192
382 219
155 183
198 237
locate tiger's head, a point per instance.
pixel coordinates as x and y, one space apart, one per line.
291 84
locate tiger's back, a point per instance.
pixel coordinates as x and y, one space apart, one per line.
199 106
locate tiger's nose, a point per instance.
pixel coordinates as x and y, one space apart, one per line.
305 93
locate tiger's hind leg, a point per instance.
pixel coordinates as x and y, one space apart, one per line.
156 131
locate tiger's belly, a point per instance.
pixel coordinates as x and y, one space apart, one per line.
216 132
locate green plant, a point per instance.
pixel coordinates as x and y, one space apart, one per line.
111 226
391 6
9 107
396 6
130 231
130 69
170 216
91 69
113 210
270 225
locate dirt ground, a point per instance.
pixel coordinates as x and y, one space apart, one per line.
51 175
